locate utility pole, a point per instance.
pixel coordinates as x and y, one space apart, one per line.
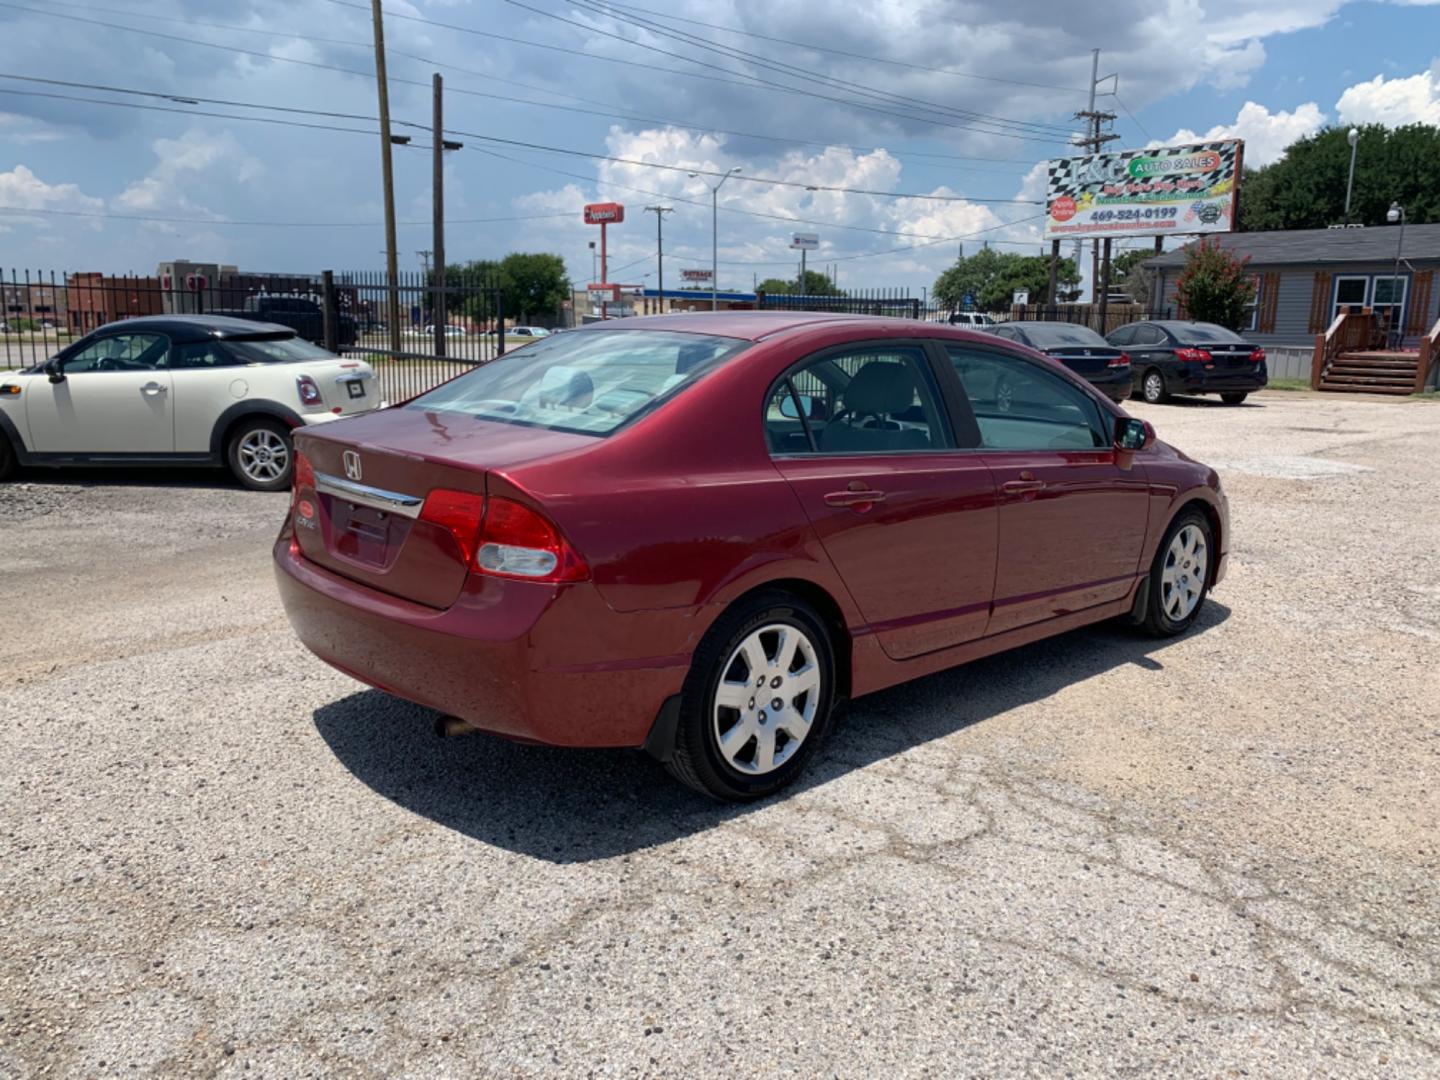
660 212
1093 142
441 318
425 260
392 267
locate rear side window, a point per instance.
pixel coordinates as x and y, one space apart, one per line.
589 382
1021 406
1209 332
869 400
275 350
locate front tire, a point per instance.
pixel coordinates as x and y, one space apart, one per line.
9 460
1152 387
261 454
757 701
1180 575
1234 398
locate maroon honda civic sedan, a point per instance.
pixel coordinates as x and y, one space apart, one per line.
697 533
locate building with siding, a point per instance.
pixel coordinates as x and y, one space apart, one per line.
1305 277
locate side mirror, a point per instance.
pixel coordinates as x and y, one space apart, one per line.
53 370
811 405
1133 434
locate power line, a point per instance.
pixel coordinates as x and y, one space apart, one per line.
568 151
604 8
841 52
619 114
24 210
1143 130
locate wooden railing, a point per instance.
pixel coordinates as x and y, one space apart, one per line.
1429 354
1353 328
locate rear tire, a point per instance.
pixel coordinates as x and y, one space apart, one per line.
1152 387
1234 398
1180 575
261 454
732 742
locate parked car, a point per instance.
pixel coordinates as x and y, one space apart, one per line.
1176 357
179 390
976 319
523 331
302 314
695 534
1079 348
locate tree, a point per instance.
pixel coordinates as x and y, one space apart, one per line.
533 284
1127 272
992 279
1305 189
1215 286
816 284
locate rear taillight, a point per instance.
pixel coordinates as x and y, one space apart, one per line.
302 477
458 512
518 542
1193 356
309 392
1257 356
1123 360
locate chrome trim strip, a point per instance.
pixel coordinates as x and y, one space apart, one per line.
392 502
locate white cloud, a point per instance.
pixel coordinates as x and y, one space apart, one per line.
1393 102
22 189
192 156
1266 134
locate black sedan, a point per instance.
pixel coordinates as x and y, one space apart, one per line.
1176 357
1079 348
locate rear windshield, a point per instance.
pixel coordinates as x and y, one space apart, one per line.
589 382
276 350
1204 331
1045 334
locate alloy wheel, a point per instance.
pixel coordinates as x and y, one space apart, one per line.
263 455
1182 580
1154 387
766 701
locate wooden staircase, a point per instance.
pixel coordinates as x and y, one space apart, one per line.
1377 372
1347 359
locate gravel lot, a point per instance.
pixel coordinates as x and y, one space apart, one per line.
1215 856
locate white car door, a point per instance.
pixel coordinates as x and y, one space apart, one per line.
114 398
205 381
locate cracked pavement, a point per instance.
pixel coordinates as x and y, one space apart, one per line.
1098 855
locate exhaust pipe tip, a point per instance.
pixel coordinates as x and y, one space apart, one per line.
448 727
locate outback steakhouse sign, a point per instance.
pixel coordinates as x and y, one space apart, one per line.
1165 189
604 213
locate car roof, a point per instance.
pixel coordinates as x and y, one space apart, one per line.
758 325
197 327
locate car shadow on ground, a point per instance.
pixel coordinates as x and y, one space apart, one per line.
205 477
570 806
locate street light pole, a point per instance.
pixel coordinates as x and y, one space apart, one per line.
1396 213
715 235
1354 139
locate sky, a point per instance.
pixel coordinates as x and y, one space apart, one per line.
936 115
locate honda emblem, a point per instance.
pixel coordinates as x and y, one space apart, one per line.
352 464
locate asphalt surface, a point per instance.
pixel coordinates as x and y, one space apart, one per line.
1101 855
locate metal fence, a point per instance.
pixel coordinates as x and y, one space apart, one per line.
896 303
1100 318
441 331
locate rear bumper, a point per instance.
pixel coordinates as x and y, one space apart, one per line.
1194 379
540 663
1114 383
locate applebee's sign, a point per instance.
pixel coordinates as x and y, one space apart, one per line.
604 213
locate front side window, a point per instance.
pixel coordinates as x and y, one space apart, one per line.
589 382
1021 406
1124 336
120 352
867 400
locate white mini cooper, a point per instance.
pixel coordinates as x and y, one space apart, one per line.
179 390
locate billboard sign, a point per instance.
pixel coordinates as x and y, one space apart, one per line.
805 241
604 213
695 275
1163 190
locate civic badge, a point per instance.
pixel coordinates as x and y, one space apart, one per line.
352 464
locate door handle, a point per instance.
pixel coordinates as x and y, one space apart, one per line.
1020 487
862 498
154 388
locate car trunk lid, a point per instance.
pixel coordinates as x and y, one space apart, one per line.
346 386
374 516
1085 360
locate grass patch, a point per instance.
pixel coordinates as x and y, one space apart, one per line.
1288 384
